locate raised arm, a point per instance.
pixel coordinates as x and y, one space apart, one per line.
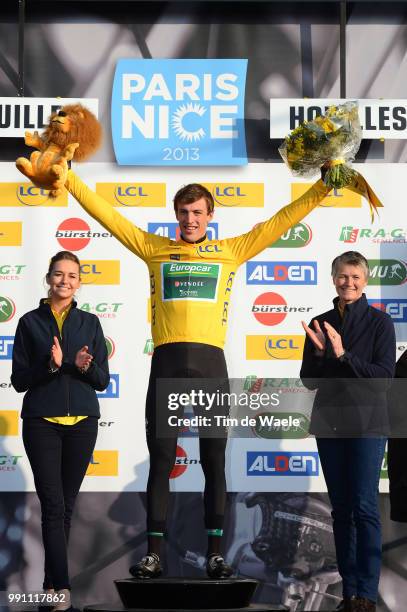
253 242
132 237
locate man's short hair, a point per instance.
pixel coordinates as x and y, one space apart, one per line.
191 193
350 258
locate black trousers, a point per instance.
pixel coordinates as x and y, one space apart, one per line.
184 360
59 456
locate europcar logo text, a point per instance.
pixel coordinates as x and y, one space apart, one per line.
282 464
397 309
281 273
26 194
142 195
296 237
113 389
232 195
274 347
179 112
337 198
6 347
173 232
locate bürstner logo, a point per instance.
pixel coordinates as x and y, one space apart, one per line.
271 308
74 234
7 309
177 112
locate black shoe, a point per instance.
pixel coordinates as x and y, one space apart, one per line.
348 604
217 568
148 567
364 605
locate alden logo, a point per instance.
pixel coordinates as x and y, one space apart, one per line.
26 194
274 347
337 198
282 464
397 309
281 273
142 195
173 232
234 195
6 347
113 389
179 112
10 232
296 237
387 272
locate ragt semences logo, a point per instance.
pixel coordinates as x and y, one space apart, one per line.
177 112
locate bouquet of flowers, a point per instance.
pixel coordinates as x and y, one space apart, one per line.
328 143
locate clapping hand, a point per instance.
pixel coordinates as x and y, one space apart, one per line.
83 359
56 354
316 336
335 339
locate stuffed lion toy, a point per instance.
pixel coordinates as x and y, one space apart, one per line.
72 133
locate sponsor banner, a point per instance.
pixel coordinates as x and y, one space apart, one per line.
148 347
100 272
143 195
296 237
6 347
18 115
190 281
173 232
378 118
10 463
113 389
179 112
396 308
75 234
9 420
384 469
337 198
7 309
11 272
104 463
281 273
182 462
26 194
274 347
350 234
11 232
110 346
387 272
281 425
235 195
271 308
282 463
103 310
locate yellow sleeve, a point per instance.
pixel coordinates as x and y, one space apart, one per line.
132 237
248 245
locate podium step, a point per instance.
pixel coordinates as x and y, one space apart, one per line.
119 608
185 593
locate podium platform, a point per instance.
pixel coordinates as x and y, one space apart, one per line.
119 608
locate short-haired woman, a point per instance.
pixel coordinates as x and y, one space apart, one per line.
59 360
345 349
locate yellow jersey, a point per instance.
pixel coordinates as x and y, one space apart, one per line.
191 283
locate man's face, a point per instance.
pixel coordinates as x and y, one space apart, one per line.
193 220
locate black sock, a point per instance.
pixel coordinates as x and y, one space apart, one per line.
214 541
155 540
